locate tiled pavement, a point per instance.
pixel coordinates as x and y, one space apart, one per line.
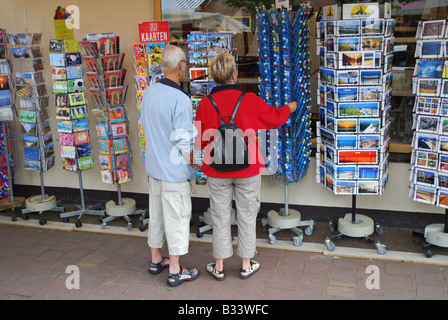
33 264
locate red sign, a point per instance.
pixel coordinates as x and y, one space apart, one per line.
154 31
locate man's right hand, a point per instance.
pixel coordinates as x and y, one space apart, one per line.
292 106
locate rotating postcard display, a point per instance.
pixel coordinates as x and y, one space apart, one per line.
108 93
202 48
71 115
148 70
284 64
32 96
7 114
429 160
354 94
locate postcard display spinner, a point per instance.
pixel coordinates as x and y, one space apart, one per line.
71 115
354 94
7 113
108 93
32 97
284 68
429 160
148 70
202 48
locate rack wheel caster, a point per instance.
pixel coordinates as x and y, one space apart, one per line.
42 222
78 224
25 217
309 230
199 234
13 218
378 230
331 226
381 248
272 239
417 241
142 228
297 241
66 220
329 244
129 226
102 226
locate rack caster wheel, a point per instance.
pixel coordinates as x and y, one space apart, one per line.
331 226
297 241
129 226
428 253
417 241
309 230
66 220
42 222
199 234
78 224
272 239
25 217
381 248
329 244
102 226
142 228
13 218
378 230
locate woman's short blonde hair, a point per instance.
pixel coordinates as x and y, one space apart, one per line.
221 68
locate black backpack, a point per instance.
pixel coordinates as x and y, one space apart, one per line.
229 146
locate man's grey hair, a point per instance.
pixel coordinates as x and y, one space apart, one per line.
171 57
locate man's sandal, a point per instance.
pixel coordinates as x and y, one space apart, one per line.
254 267
214 273
174 279
159 267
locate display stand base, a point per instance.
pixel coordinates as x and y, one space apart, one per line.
126 209
435 235
81 211
206 222
287 219
39 204
7 204
358 226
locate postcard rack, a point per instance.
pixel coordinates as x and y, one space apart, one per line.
108 93
31 95
354 94
71 116
202 48
429 159
285 76
7 114
148 70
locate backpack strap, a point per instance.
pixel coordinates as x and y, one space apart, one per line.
234 110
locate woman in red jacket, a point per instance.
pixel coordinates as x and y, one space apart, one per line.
244 185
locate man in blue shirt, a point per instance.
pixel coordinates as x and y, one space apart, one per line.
166 118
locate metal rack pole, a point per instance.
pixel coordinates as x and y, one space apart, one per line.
81 190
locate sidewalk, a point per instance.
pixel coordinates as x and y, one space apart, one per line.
33 262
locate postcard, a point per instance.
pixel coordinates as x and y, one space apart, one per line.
118 130
425 177
102 131
443 144
330 29
426 142
73 59
345 187
370 93
428 86
58 73
371 77
78 112
348 77
346 125
74 72
345 172
429 68
69 164
329 123
372 43
65 126
372 26
348 28
80 125
344 94
369 125
81 137
66 139
329 154
85 163
27 116
358 156
327 75
443 110
77 99
430 106
425 194
358 109
434 29
107 176
120 146
100 116
68 152
346 141
117 114
444 88
442 198
124 175
63 113
122 161
371 141
105 162
426 160
366 10
104 146
428 124
329 183
430 48
348 44
61 100
368 187
368 172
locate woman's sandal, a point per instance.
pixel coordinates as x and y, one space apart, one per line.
159 267
254 267
176 277
213 272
